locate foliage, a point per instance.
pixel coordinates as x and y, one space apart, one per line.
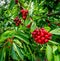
16 42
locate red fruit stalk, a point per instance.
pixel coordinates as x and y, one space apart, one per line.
17 21
41 36
24 13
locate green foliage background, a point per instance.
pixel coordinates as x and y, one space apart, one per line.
21 46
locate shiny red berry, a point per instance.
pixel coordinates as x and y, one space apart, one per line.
16 1
26 11
43 38
42 34
38 37
33 33
49 34
22 10
29 25
39 41
46 36
17 24
16 19
46 40
24 17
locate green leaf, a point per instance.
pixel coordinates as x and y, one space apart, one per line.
7 34
22 38
27 22
47 28
59 48
31 8
15 11
54 49
33 27
17 51
14 55
18 43
49 53
2 54
56 58
25 49
56 31
22 33
12 3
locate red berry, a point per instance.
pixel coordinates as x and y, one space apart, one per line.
26 11
24 17
42 34
33 33
49 34
49 38
42 38
24 14
45 32
39 41
42 28
16 19
20 21
17 24
46 40
29 25
46 36
42 42
22 10
37 30
16 1
38 37
38 33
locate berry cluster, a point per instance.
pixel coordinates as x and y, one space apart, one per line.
24 13
16 1
41 36
17 21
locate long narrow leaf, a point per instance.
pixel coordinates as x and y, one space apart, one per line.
17 51
49 53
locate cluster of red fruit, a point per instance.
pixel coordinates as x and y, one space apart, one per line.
41 36
17 21
24 13
16 1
